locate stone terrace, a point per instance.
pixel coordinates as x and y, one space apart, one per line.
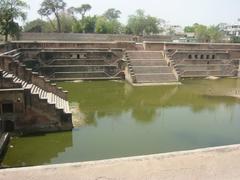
203 63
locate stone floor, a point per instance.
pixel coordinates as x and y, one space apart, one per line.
211 163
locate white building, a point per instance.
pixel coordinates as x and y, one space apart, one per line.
231 29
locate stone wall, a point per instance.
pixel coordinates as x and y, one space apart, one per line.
14 97
92 37
130 45
203 63
159 46
30 114
74 37
5 47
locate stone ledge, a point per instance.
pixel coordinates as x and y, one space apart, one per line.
209 163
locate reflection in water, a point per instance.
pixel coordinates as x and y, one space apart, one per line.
114 119
78 118
27 151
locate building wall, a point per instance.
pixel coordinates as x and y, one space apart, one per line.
15 98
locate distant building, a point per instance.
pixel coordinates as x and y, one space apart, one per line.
232 30
178 30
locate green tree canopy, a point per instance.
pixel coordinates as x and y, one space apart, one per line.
37 25
189 29
90 24
141 24
83 9
49 7
105 26
204 33
112 14
10 11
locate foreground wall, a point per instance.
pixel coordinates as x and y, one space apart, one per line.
208 164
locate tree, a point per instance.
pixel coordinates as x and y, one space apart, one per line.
49 7
112 14
11 10
215 34
141 24
105 26
77 27
152 25
37 25
90 24
201 32
83 9
101 25
67 22
204 33
189 29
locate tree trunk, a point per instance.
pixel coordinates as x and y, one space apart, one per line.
51 23
58 23
6 37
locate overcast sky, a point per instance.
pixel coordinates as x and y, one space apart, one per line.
179 12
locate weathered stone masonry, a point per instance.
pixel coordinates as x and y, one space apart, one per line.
29 102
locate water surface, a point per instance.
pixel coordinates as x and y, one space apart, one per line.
118 120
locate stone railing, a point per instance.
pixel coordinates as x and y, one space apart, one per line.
18 69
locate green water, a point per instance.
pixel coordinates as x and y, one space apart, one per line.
118 120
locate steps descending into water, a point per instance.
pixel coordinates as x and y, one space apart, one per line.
51 98
149 67
41 105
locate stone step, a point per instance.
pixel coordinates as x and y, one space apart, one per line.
151 69
59 102
80 74
145 54
188 61
86 79
148 62
205 67
78 62
42 94
87 68
5 73
155 78
206 73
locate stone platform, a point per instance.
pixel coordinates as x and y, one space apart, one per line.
211 163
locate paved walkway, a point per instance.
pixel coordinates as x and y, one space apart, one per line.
212 163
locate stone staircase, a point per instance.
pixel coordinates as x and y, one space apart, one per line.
149 67
44 102
51 98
